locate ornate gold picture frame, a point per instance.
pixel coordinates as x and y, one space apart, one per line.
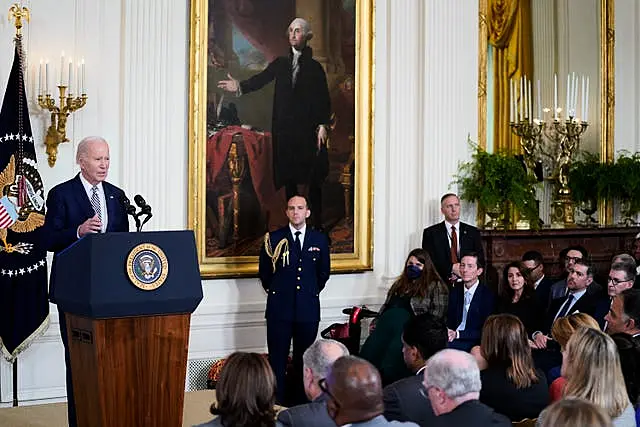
232 197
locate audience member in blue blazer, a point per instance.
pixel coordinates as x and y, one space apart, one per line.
469 305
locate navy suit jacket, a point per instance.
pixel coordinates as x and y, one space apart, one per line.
482 306
435 240
68 206
312 414
403 401
294 287
588 303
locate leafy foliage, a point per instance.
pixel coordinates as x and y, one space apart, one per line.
585 177
492 179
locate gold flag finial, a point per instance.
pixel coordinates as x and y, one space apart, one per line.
18 12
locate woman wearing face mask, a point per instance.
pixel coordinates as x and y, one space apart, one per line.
418 290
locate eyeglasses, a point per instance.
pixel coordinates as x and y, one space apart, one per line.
323 386
572 258
530 269
616 282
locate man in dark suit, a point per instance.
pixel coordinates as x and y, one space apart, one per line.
422 337
624 314
317 361
571 255
452 381
577 300
354 388
534 264
294 268
450 239
469 305
301 115
83 205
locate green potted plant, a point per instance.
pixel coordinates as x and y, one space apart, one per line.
496 181
586 180
622 182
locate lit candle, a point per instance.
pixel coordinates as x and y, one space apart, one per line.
555 97
521 98
46 77
574 100
511 100
62 69
582 103
586 111
70 74
82 79
78 79
529 100
539 101
566 105
40 82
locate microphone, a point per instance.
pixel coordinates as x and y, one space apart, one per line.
130 210
145 209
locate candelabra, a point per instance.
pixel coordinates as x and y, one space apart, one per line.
57 132
529 133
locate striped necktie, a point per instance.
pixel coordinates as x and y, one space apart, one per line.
95 202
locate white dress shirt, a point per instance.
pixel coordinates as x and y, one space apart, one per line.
576 297
471 291
457 227
302 231
103 201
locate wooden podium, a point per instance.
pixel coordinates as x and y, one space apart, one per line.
128 345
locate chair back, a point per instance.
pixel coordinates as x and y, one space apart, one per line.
527 422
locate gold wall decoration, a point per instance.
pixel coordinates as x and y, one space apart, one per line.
232 202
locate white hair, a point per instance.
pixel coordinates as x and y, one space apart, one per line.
306 28
83 146
455 372
317 359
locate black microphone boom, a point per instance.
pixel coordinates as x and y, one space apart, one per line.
145 209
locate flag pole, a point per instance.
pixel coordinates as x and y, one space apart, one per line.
18 13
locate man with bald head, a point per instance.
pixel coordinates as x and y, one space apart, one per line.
83 205
354 388
452 381
300 117
317 361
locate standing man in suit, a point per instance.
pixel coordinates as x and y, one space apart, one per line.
534 263
423 336
448 240
317 361
83 205
294 268
452 381
469 305
301 115
354 388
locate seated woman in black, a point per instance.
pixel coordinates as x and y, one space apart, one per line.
418 290
511 385
517 296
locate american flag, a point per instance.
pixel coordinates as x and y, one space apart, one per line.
8 213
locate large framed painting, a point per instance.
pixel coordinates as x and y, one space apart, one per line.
242 157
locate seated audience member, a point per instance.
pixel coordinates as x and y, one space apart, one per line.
573 412
316 360
591 366
624 314
423 337
629 352
355 394
469 305
418 290
622 274
245 394
518 297
561 331
635 251
577 300
573 254
452 381
510 383
534 263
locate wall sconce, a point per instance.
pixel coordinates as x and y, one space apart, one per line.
57 132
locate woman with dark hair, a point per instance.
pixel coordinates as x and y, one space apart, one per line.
517 296
629 352
418 290
245 394
510 383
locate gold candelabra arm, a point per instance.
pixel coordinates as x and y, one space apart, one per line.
57 131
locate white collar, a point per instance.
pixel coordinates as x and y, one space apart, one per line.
296 53
535 285
88 186
421 370
302 230
449 225
577 295
472 289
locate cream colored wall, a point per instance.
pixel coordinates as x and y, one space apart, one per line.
137 78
